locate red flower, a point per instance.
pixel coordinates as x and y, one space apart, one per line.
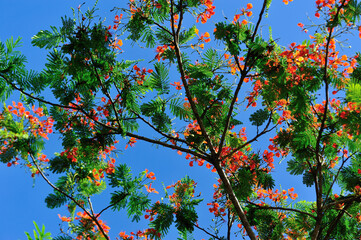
178 85
64 219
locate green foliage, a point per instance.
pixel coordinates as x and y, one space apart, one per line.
259 117
233 35
349 176
354 88
200 72
12 65
296 167
213 59
180 211
155 106
185 235
186 219
39 234
187 35
99 98
244 183
164 217
177 109
62 238
137 204
59 164
308 179
130 195
51 39
267 222
118 200
265 180
88 188
159 79
55 200
353 11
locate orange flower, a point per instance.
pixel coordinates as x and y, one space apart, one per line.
64 219
150 175
249 6
117 44
131 142
287 1
178 85
150 189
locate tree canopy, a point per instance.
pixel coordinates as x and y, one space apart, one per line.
233 100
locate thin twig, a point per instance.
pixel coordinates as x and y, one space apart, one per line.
204 230
282 208
111 205
68 196
244 73
105 91
318 182
169 136
255 138
186 87
168 146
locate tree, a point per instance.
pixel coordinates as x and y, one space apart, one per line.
308 98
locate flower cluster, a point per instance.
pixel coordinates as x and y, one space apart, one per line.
208 12
141 74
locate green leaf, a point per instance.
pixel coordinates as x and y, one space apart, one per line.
212 59
162 121
59 164
295 167
28 236
308 179
259 117
153 107
265 180
39 235
63 238
159 79
55 200
187 35
47 39
137 204
88 188
119 200
185 235
200 72
164 217
354 92
177 109
186 219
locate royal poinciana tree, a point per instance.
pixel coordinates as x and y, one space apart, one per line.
306 96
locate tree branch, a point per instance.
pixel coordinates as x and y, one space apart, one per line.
244 73
185 84
111 205
169 136
319 176
105 91
282 209
252 140
239 210
204 230
168 146
68 196
36 98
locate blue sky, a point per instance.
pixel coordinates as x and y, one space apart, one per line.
22 200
